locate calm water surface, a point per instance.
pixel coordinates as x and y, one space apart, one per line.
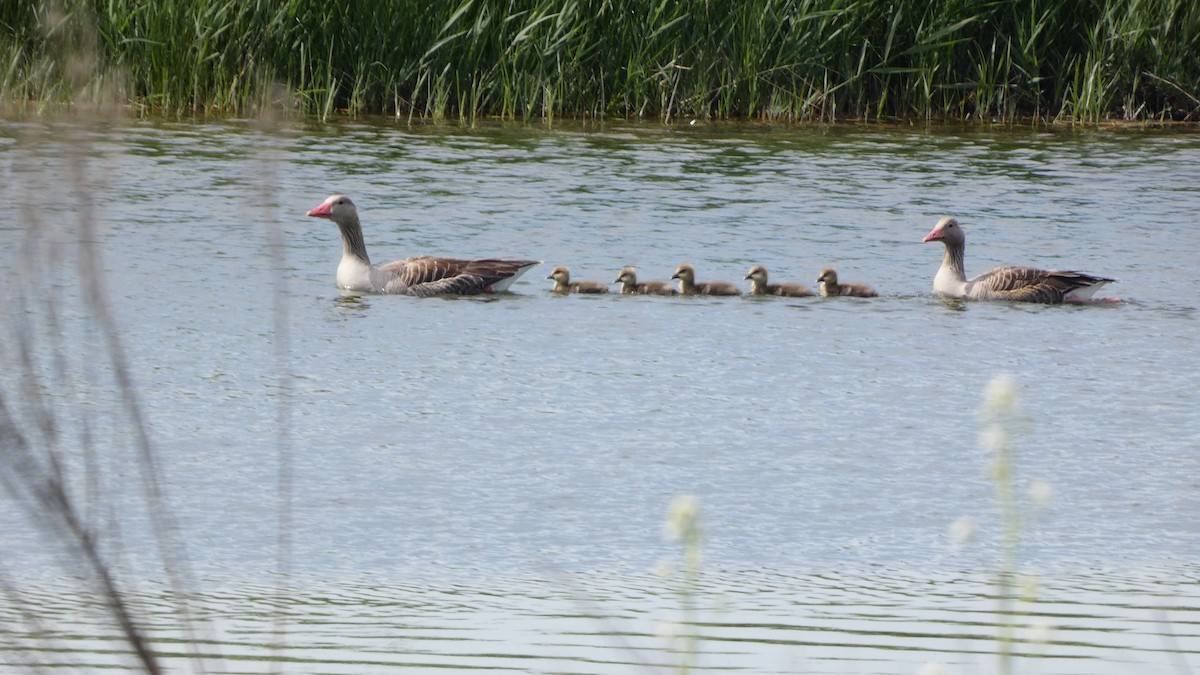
481 483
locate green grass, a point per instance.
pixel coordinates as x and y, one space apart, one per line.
1087 60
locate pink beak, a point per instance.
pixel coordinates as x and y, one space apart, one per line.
935 235
322 211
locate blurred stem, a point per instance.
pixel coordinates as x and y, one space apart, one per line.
690 600
1007 582
683 525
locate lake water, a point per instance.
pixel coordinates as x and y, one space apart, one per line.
482 483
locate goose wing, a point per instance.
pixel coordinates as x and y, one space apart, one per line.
1030 284
429 275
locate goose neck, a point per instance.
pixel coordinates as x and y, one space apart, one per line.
952 261
352 240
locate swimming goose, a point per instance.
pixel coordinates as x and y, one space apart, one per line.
1023 284
686 274
420 276
563 283
828 283
630 286
759 286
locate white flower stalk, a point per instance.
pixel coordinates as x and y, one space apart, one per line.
683 525
998 412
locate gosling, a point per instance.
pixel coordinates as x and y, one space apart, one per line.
630 285
759 286
828 283
564 285
686 274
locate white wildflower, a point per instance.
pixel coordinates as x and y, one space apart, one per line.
993 438
1000 396
1040 492
683 517
664 569
962 531
1041 631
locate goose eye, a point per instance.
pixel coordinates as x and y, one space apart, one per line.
341 201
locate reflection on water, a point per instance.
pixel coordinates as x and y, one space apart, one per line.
496 468
763 621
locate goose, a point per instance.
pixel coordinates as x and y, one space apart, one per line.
630 286
686 274
759 286
563 283
1023 284
828 283
420 276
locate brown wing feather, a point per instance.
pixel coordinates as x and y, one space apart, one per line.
1030 284
429 275
461 284
421 270
492 270
1010 278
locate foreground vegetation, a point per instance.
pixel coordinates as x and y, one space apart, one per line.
768 59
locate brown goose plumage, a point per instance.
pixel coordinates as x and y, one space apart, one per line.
686 274
1022 284
563 283
759 286
420 276
630 285
828 283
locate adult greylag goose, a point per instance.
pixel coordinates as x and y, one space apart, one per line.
828 283
563 283
686 274
630 285
1022 284
759 286
420 276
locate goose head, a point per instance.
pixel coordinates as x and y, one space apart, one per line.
757 274
828 276
561 275
337 208
946 231
685 273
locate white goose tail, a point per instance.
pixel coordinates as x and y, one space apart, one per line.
502 285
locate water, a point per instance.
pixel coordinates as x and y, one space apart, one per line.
482 482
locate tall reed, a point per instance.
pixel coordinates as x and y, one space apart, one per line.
77 461
69 411
523 59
